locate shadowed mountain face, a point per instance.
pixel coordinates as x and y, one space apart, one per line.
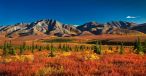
141 28
122 24
53 27
117 27
92 27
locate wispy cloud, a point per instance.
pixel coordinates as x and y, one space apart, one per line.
131 17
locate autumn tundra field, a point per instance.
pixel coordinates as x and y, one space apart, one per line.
101 55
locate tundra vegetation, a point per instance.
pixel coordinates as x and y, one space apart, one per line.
67 57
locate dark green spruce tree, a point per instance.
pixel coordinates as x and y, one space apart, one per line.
97 48
122 51
138 46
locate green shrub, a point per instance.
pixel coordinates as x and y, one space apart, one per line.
8 49
97 48
33 47
138 46
12 52
40 48
122 51
144 47
51 54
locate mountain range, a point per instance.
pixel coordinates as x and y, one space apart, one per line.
54 27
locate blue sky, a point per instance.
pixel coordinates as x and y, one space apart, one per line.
72 11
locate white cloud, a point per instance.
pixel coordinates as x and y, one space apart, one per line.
131 17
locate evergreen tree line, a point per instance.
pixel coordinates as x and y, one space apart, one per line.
9 49
139 47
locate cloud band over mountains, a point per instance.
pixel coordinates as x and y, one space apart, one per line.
131 17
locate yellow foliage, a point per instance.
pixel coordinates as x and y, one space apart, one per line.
108 51
7 60
87 52
21 58
0 59
26 58
91 56
50 70
66 53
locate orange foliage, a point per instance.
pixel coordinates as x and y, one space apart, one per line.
75 64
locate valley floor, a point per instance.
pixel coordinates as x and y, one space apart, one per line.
73 56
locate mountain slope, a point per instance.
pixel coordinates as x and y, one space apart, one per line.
114 27
92 27
53 27
41 27
141 28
